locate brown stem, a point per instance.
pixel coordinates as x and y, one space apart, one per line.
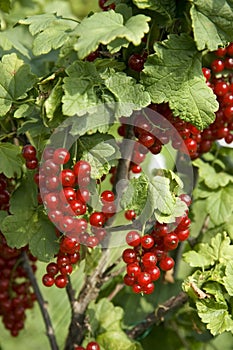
42 303
158 316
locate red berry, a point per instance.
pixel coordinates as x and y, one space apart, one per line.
32 164
61 156
61 281
107 196
221 88
143 278
47 280
147 241
67 178
78 207
149 288
29 152
136 62
154 273
130 214
149 260
207 73
170 241
129 256
136 169
129 280
97 219
133 269
217 65
229 50
82 169
50 168
93 346
52 269
66 270
166 263
133 238
83 195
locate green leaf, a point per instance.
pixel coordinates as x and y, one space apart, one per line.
15 80
178 210
3 215
174 75
212 23
28 192
211 178
43 243
219 250
135 195
166 8
79 88
160 194
11 160
104 27
100 151
228 279
53 102
51 31
127 92
5 5
219 204
105 320
215 315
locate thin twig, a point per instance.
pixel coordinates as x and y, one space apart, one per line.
42 303
158 316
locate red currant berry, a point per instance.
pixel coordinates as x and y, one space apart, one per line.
136 62
166 263
129 280
29 152
83 195
130 214
147 241
32 164
149 288
47 280
170 241
129 256
207 73
61 156
93 346
61 281
133 269
143 278
107 196
67 178
82 169
78 207
133 238
217 65
154 273
97 219
52 269
149 260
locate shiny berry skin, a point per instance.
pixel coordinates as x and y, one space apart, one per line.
61 156
68 193
166 263
61 281
136 169
228 112
207 73
154 273
97 219
147 241
217 65
107 196
83 195
133 238
78 207
67 224
66 269
149 260
221 88
50 168
130 214
191 145
32 164
29 152
170 241
92 241
69 245
136 62
67 178
228 63
52 183
147 139
229 49
52 269
143 278
93 346
82 169
221 52
149 288
47 280
133 269
160 229
137 288
183 235
129 280
51 200
129 256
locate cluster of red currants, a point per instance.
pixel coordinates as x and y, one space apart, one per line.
29 154
68 255
151 249
220 78
16 295
90 346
